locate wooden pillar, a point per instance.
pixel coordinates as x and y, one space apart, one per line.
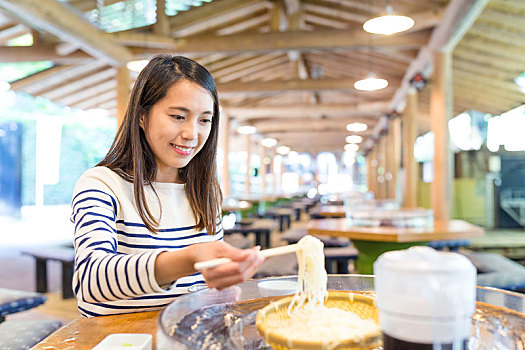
381 157
224 141
409 138
440 112
373 173
369 170
162 25
264 167
248 163
123 83
396 155
272 170
389 162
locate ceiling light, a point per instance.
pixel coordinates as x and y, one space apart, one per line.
283 150
4 86
520 81
388 23
351 147
268 142
356 127
137 66
371 83
246 130
354 139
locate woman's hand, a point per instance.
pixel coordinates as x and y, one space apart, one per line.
245 263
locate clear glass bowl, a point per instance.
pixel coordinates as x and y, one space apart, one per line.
417 217
498 323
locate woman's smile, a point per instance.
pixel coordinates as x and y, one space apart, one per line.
182 150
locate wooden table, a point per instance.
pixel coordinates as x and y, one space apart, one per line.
374 241
331 211
236 206
85 333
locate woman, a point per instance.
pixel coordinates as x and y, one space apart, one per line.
151 208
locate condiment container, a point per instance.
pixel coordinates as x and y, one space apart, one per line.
425 298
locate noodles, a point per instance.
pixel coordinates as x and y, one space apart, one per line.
312 276
309 319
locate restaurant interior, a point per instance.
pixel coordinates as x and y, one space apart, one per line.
372 136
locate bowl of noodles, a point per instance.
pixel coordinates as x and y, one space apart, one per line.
345 321
314 318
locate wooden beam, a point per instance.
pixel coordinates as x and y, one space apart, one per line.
338 135
54 17
12 32
458 17
287 85
272 41
39 53
87 93
213 14
361 109
310 124
55 76
97 100
70 87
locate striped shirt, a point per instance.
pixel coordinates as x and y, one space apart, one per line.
114 251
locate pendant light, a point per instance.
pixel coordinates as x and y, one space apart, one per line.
388 23
371 82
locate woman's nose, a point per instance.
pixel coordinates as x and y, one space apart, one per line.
190 130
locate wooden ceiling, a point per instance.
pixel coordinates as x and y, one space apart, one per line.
284 66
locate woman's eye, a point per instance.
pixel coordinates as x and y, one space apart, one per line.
177 117
206 120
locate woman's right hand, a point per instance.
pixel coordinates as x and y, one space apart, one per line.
243 266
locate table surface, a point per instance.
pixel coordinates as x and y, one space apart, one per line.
85 333
332 210
440 230
236 206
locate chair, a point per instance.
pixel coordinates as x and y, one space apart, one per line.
22 334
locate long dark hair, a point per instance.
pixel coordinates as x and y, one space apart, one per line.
131 157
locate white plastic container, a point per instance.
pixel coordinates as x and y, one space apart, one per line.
130 341
425 297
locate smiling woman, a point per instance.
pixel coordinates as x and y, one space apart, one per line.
150 210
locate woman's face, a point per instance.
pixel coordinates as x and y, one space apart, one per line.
177 127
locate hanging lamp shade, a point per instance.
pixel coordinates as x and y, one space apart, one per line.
389 23
137 66
371 83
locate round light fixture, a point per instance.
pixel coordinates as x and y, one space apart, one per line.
351 147
356 127
371 83
354 139
137 66
246 129
388 23
268 142
283 150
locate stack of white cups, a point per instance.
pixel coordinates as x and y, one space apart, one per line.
425 298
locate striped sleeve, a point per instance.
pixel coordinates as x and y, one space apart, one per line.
101 274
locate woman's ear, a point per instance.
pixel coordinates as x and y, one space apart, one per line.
141 122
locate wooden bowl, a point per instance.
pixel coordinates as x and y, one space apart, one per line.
273 314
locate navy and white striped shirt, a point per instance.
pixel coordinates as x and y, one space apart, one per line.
114 251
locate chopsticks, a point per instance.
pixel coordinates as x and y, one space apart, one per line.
291 248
